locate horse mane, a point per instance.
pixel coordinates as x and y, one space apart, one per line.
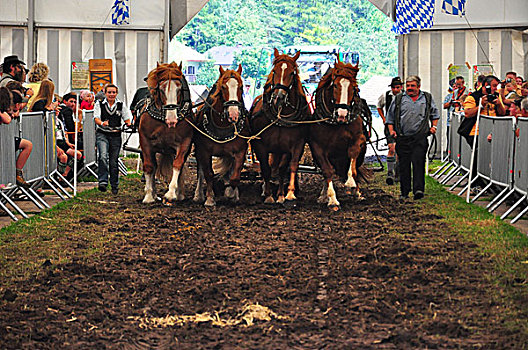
288 59
216 91
346 70
162 72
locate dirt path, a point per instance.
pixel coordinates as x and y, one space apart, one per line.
378 274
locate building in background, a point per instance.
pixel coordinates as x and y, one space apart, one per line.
58 33
190 59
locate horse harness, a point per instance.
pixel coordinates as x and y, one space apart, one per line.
329 112
183 110
221 133
285 120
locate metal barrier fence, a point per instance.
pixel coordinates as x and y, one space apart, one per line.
89 138
51 158
520 172
7 153
41 166
32 128
8 169
520 178
500 160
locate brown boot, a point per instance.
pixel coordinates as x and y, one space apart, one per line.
20 179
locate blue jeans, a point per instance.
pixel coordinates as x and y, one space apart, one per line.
108 147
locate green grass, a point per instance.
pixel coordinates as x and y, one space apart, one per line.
504 244
494 237
56 234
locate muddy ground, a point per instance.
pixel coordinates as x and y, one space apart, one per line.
379 274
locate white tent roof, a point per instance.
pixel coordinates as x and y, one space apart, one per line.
479 14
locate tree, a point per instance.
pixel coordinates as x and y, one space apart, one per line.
254 61
207 74
352 24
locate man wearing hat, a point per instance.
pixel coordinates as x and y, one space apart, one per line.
12 69
384 103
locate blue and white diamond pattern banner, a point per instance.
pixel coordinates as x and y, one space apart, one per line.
454 7
120 13
413 14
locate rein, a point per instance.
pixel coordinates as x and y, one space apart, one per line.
323 109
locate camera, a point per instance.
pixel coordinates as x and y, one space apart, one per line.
509 80
492 97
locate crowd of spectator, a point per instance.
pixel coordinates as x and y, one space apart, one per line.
23 90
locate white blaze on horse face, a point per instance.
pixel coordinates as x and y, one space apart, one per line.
171 89
343 99
232 86
283 68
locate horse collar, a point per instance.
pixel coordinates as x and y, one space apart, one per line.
220 133
159 114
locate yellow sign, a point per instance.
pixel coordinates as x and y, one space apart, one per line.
80 76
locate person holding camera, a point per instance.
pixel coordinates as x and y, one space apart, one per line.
490 100
491 104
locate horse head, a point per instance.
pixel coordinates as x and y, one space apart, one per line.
166 85
283 79
345 94
228 92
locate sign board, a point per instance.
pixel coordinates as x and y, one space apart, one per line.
463 70
481 69
80 76
100 73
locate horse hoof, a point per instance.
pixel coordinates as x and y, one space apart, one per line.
269 200
334 208
281 199
149 200
210 203
198 199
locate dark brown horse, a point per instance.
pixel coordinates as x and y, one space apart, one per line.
163 129
223 132
338 142
277 119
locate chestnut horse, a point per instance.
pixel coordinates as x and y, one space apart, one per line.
223 132
339 141
277 119
163 129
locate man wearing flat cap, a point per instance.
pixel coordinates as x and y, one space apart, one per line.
12 70
384 103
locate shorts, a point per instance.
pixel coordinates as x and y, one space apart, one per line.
63 145
17 143
390 139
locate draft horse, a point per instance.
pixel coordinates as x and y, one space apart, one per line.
223 132
277 118
338 141
163 129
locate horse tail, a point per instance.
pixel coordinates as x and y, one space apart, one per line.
222 166
164 168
